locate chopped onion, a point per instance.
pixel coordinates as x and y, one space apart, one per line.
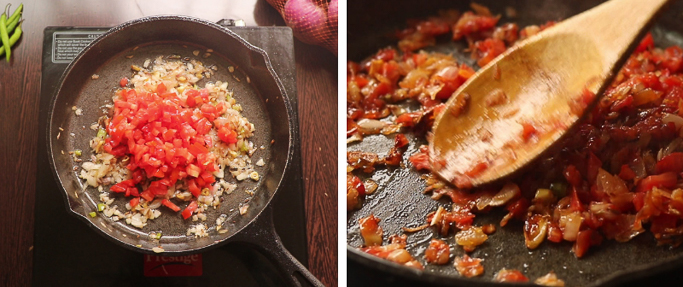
156 203
672 147
399 256
550 279
437 216
370 186
535 230
396 110
371 231
570 224
507 193
483 200
415 229
470 238
368 126
673 118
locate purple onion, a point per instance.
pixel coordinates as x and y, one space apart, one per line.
307 20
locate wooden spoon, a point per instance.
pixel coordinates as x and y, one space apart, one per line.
525 100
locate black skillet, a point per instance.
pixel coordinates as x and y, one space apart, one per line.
256 87
399 202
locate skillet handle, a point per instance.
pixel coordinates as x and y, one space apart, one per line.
261 235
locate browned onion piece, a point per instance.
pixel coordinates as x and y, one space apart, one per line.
470 238
468 267
438 252
570 224
535 230
509 192
549 279
370 230
370 186
415 229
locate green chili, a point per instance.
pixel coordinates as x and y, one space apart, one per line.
14 39
3 34
100 207
92 214
11 24
15 16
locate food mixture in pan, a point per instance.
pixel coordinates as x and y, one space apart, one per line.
168 144
618 176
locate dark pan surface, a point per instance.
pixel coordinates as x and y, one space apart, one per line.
398 202
260 96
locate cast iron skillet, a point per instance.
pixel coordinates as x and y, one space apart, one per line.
398 202
256 87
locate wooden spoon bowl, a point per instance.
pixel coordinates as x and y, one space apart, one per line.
523 102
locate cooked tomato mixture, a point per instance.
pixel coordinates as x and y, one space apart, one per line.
618 176
168 142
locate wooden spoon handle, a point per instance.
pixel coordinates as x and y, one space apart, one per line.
617 23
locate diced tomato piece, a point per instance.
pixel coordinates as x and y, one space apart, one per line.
197 148
572 175
192 186
208 177
584 240
667 180
575 203
518 207
671 163
118 188
209 111
123 82
528 130
594 164
147 195
161 88
190 100
509 275
646 43
134 202
170 205
227 135
132 191
477 169
189 209
639 200
193 170
408 119
626 173
420 160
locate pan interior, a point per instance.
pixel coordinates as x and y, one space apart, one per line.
399 202
254 88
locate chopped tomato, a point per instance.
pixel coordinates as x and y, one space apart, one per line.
584 240
509 275
193 188
671 163
667 180
626 173
134 202
170 205
187 212
147 195
165 138
227 135
420 160
646 43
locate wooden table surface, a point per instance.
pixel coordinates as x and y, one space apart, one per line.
19 102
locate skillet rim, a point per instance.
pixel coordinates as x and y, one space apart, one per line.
268 64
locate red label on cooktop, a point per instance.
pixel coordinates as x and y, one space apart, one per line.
167 266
